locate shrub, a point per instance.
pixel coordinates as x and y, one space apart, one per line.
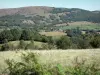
81 68
45 46
63 43
22 44
5 46
30 45
95 42
28 66
51 46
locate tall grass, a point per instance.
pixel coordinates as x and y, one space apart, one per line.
31 66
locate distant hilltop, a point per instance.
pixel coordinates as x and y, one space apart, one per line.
43 15
39 10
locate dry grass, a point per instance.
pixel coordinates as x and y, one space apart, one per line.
84 25
81 23
36 43
35 10
78 23
64 57
54 33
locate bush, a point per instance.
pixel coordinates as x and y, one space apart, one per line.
22 44
81 68
30 45
5 46
28 66
63 43
83 43
95 43
51 46
44 46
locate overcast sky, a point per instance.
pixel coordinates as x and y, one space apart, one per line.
84 4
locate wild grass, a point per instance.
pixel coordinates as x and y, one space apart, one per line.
53 57
16 43
29 63
53 33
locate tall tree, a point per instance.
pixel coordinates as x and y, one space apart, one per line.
6 34
16 34
26 35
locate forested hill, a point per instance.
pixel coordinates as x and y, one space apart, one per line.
42 15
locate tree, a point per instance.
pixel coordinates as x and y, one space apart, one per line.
63 43
44 39
51 40
16 34
26 35
6 34
5 46
83 43
37 37
95 43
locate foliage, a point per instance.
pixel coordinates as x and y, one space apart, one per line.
6 34
63 43
60 69
22 44
30 45
16 34
5 46
28 66
84 43
76 14
74 39
26 35
73 32
80 68
45 46
96 42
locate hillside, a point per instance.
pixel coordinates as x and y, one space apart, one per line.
26 10
45 18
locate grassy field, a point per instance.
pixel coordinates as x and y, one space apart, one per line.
16 43
54 33
82 25
53 57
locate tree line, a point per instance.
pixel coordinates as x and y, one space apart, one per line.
73 40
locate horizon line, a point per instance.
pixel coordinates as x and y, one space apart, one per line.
46 6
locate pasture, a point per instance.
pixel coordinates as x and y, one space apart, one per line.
83 25
54 57
53 33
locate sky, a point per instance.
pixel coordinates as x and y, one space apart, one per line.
83 4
